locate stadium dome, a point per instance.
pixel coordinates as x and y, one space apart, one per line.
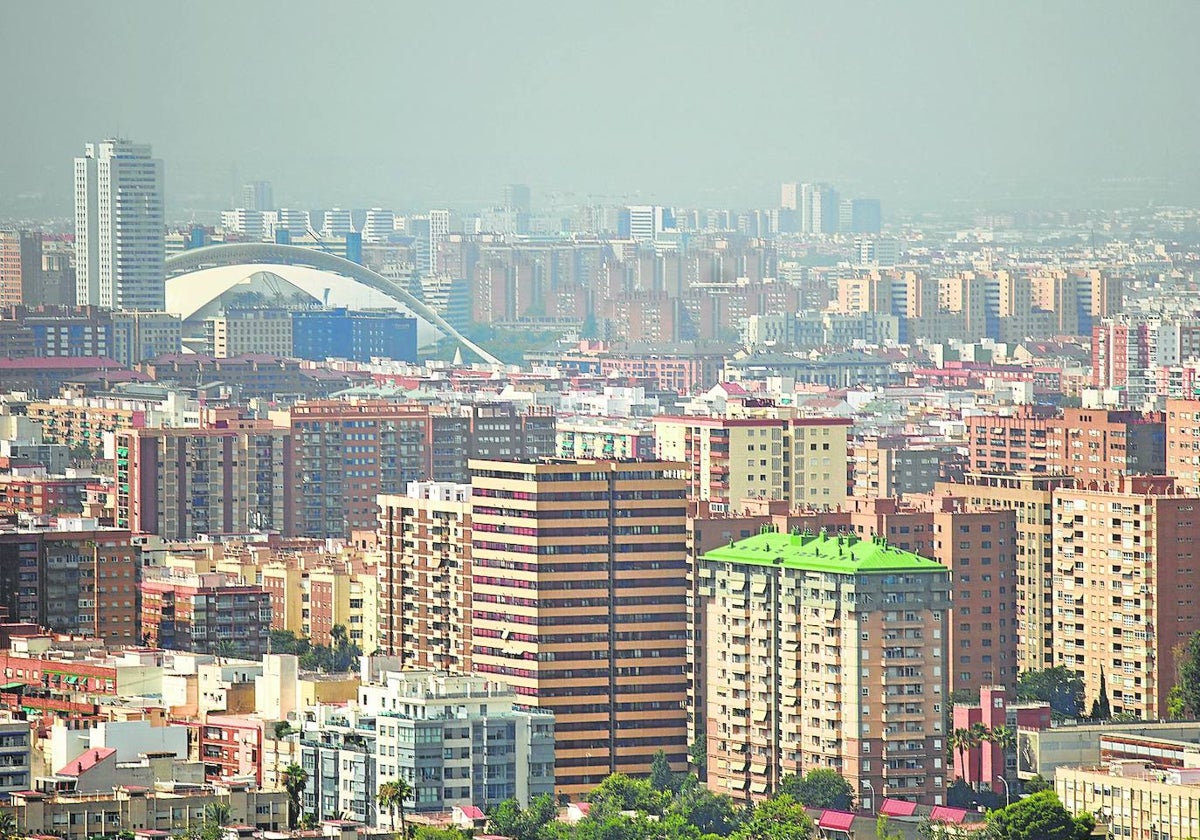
202 280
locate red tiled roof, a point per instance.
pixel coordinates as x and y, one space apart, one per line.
86 761
837 820
583 807
897 808
472 812
943 813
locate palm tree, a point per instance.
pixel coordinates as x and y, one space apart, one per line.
218 813
960 740
8 826
977 734
1006 739
391 796
295 780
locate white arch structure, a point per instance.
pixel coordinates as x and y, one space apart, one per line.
242 253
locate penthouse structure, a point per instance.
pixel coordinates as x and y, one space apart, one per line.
578 602
825 651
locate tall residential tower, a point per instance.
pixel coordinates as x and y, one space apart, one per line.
119 246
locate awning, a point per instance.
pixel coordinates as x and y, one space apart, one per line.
12 686
72 680
897 808
758 787
944 814
836 820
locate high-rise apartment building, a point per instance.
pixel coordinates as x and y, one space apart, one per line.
1088 444
142 336
825 652
21 268
236 332
226 477
119 245
578 602
76 578
1124 604
1031 497
818 208
517 198
345 454
425 576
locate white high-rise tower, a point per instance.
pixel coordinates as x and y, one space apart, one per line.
119 234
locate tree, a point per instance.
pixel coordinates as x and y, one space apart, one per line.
709 812
698 756
282 729
628 794
1101 710
219 813
1036 784
960 741
661 777
295 780
1038 817
511 820
1061 688
820 788
883 829
778 818
391 796
285 641
978 734
1188 680
1003 737
8 826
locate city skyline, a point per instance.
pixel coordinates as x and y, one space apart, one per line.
870 97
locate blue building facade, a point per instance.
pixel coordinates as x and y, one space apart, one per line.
357 335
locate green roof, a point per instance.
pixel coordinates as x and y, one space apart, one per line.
845 554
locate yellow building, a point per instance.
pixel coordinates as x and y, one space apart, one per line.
759 453
1134 799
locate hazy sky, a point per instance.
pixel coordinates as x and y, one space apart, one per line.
411 105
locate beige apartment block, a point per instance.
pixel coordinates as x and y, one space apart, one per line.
825 651
1125 558
425 576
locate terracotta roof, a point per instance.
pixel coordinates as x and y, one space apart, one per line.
472 812
86 761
